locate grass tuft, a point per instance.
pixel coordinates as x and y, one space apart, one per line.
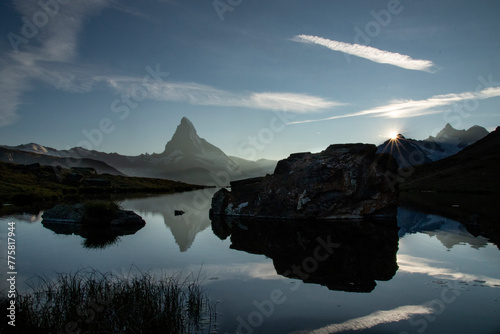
99 212
94 302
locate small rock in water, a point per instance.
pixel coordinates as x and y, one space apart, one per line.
179 212
440 282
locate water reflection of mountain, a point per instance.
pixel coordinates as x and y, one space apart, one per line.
477 216
94 237
341 255
185 227
447 231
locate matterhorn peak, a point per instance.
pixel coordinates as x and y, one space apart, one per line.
185 130
186 123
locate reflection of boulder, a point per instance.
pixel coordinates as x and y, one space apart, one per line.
344 256
343 181
95 237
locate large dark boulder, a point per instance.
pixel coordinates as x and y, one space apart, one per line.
343 181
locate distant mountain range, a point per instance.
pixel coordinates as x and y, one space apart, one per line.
27 154
192 159
448 141
186 157
473 169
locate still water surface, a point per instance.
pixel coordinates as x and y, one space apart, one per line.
427 274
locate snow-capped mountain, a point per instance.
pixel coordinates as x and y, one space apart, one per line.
187 157
448 141
38 149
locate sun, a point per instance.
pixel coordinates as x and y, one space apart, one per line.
393 135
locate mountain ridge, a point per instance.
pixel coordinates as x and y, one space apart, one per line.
474 169
448 141
189 158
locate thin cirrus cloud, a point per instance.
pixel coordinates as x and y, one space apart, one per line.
204 95
370 53
415 108
75 79
16 80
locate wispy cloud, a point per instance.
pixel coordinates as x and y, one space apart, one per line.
115 4
52 58
57 40
300 103
370 53
46 58
205 95
414 108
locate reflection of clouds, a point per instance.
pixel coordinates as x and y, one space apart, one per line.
28 217
418 265
264 271
374 319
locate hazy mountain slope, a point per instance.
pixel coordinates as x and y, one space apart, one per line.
474 169
251 168
461 138
26 158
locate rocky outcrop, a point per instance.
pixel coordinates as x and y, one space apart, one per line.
343 181
75 214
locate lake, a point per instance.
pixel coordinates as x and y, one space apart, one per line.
424 273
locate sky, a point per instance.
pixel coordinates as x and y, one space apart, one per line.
258 79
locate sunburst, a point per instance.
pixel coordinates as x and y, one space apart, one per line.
393 135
